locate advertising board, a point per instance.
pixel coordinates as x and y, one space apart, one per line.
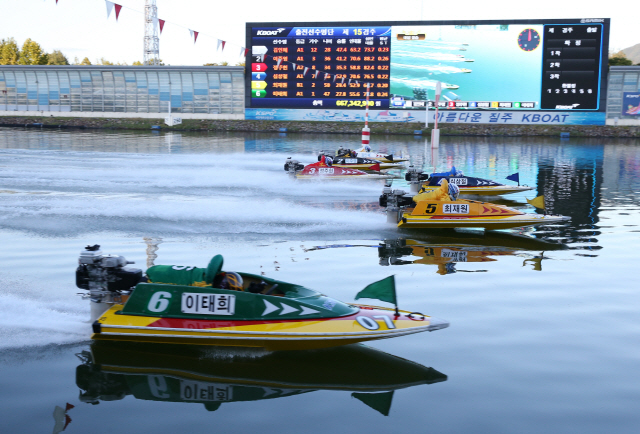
321 71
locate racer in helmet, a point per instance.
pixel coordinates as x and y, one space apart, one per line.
454 191
328 161
232 281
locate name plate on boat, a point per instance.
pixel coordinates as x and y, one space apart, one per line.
208 304
455 255
200 391
458 181
455 208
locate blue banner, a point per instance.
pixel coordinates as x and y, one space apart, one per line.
444 117
631 104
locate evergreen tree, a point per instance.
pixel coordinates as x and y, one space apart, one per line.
32 54
9 52
85 61
57 58
619 59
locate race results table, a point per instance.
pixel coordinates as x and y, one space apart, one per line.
320 67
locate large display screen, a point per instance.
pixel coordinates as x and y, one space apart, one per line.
517 65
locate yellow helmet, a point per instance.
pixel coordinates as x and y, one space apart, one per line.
232 281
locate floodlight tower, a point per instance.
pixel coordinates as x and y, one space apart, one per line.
151 41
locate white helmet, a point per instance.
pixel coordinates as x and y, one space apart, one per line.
454 191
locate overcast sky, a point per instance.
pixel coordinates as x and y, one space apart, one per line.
80 28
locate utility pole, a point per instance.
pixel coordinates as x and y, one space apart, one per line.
151 40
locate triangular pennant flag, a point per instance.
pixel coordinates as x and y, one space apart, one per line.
221 43
278 62
349 82
305 71
194 34
334 78
316 74
109 7
538 202
326 75
294 66
384 290
161 22
118 7
515 177
246 51
381 401
342 80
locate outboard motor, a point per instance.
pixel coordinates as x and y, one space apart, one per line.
415 177
393 200
292 166
106 277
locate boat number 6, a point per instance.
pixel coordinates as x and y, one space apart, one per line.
159 301
370 324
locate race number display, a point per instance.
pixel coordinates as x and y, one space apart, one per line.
208 304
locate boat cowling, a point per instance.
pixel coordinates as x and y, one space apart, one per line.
207 303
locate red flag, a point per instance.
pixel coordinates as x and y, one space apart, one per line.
69 407
161 24
195 36
118 7
246 51
223 43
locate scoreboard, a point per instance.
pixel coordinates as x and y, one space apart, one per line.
328 67
526 65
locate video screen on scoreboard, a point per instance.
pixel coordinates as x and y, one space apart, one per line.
528 66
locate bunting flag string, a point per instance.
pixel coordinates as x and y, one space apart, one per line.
110 6
194 35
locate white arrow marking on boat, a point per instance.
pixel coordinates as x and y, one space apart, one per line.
287 309
307 310
268 392
269 307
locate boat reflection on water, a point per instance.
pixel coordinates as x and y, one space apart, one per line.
212 376
448 249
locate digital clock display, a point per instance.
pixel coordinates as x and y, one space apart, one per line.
326 68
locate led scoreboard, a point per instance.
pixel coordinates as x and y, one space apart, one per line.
311 67
321 71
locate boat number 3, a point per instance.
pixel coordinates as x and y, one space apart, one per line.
370 324
431 208
159 301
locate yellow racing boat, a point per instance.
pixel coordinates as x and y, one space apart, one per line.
205 306
440 208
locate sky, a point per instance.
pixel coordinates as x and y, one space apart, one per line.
80 28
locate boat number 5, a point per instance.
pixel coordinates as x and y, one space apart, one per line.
159 301
370 324
431 208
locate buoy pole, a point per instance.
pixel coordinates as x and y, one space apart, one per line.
435 133
366 133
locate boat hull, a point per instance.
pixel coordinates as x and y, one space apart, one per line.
488 222
366 324
489 190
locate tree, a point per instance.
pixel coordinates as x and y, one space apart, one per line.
137 63
103 61
619 59
57 58
85 61
32 54
9 52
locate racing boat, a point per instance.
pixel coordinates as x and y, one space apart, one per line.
206 306
322 170
358 162
213 377
439 209
366 152
468 185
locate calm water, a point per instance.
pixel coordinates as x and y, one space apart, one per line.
544 333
